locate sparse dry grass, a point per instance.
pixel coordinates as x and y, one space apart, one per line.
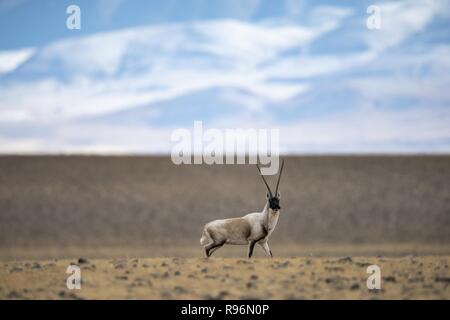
425 277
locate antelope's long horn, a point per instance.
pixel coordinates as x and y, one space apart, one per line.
265 182
279 177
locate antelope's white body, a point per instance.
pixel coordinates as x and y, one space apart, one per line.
247 230
250 229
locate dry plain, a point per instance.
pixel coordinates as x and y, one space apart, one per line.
137 221
229 278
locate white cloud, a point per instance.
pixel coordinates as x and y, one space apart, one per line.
11 60
401 19
113 71
411 130
380 88
423 75
308 66
372 131
83 138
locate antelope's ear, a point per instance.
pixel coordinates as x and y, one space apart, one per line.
278 195
267 196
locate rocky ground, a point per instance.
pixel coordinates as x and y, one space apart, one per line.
411 277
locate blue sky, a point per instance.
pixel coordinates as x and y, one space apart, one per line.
137 70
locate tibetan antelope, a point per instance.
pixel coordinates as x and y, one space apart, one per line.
250 229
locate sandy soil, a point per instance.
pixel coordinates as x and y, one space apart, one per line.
412 277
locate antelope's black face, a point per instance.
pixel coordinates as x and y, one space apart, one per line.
274 203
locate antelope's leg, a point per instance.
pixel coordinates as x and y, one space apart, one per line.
251 245
265 246
214 249
209 249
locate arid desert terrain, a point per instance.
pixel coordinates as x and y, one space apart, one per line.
228 278
135 222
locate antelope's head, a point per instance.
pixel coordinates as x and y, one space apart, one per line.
273 198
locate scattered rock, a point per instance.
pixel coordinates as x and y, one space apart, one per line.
73 296
442 279
334 269
166 295
345 260
254 277
120 265
278 265
416 279
335 280
178 260
354 286
180 290
15 269
220 296
14 295
83 260
363 264
390 279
